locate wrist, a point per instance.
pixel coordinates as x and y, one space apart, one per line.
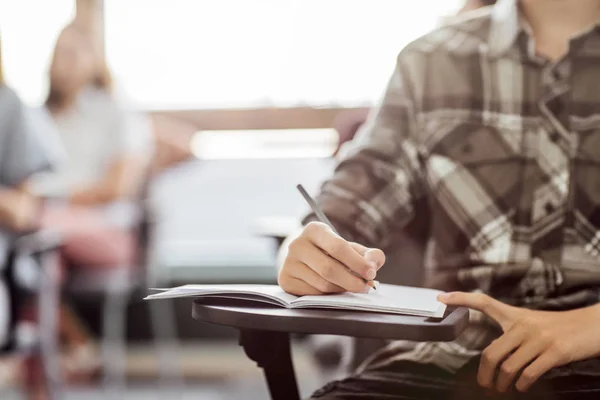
33 220
591 319
593 312
589 316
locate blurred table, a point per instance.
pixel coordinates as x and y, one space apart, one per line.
264 332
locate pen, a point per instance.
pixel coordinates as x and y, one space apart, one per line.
323 218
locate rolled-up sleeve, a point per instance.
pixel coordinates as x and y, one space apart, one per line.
373 189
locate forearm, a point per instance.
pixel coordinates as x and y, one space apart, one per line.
6 205
93 195
121 181
593 312
17 209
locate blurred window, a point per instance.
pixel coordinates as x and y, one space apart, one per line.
28 30
188 54
264 144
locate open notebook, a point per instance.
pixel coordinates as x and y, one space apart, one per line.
386 299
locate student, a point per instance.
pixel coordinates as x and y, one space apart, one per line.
24 151
107 153
489 130
91 194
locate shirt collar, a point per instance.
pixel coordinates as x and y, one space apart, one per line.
506 25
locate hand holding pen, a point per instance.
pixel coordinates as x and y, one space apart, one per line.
320 261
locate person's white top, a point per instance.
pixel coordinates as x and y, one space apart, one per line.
94 133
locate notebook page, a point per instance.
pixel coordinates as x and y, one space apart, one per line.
273 292
385 298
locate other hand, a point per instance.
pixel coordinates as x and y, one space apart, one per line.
20 209
533 342
319 261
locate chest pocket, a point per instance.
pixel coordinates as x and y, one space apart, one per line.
487 161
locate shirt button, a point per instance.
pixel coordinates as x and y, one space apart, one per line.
554 136
556 106
556 74
549 207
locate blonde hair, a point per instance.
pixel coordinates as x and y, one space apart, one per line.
103 78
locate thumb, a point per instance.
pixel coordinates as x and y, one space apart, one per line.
498 311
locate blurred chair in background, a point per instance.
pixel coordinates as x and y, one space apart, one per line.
118 286
100 205
39 349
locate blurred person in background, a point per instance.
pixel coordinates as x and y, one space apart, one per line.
24 151
108 150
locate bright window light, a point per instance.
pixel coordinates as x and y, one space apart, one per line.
172 54
265 144
28 31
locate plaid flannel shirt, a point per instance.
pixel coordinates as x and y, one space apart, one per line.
499 150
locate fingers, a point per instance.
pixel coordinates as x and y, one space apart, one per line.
516 363
495 353
310 277
375 255
502 313
329 269
536 369
369 254
359 248
296 286
319 260
323 237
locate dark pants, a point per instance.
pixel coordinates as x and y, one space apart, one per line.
408 380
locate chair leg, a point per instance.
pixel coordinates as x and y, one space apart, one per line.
47 305
113 342
165 341
271 351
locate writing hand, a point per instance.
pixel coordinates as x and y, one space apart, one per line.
319 261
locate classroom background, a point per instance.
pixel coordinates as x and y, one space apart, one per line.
244 99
